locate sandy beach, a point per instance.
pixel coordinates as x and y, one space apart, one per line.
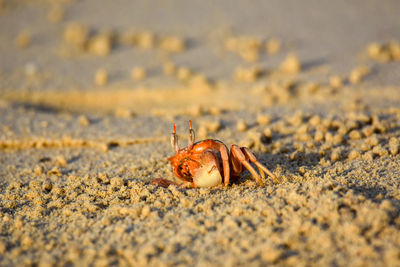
90 91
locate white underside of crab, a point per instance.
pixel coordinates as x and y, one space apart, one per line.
207 176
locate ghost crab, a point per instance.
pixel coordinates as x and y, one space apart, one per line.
204 163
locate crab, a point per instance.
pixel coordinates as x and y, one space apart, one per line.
209 163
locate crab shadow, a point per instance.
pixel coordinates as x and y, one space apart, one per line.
42 108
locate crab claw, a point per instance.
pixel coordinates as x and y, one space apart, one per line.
209 174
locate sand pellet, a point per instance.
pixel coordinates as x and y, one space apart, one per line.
83 120
393 146
354 154
123 113
138 73
183 73
101 44
62 162
291 64
357 74
247 74
263 119
355 135
169 68
23 39
76 34
56 14
273 46
101 77
336 81
145 39
241 126
172 44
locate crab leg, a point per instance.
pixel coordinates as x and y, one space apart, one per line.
238 155
260 166
225 162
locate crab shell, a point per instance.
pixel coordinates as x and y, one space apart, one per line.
201 165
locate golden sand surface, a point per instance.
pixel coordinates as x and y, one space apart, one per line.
89 92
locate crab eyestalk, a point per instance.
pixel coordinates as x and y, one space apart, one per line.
174 140
191 136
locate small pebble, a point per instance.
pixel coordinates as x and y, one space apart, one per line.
270 254
394 47
56 14
172 44
202 132
263 119
123 113
268 133
101 44
215 110
365 147
213 126
312 87
101 77
249 143
31 69
354 154
377 51
368 156
372 140
145 39
379 150
318 136
384 52
183 74
145 212
169 68
38 170
55 170
337 139
83 120
315 120
291 64
368 130
273 46
393 146
23 39
62 162
195 110
138 73
335 155
241 126
357 74
76 34
128 37
336 81
247 74
47 185
355 135
27 242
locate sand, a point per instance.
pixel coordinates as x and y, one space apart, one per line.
89 91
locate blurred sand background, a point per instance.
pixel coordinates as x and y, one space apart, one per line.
89 91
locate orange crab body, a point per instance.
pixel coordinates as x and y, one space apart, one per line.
208 163
201 165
